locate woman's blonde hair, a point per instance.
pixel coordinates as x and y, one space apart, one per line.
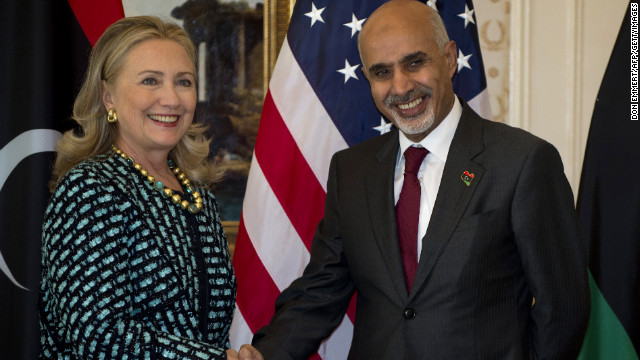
97 136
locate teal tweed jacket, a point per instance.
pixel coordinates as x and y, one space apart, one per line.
128 274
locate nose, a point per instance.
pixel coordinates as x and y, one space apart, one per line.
169 96
401 83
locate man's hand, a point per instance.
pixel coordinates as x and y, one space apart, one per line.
248 352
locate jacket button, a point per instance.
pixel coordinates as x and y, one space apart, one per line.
409 313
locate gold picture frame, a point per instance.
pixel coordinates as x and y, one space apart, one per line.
275 24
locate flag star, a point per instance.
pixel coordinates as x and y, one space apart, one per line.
315 14
349 71
384 127
467 16
432 4
463 60
355 24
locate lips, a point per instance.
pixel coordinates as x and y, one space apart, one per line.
166 119
411 109
411 104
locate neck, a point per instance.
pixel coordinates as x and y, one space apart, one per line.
155 162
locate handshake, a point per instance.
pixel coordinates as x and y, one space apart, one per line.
247 352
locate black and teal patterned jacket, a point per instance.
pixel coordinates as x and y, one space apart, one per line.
128 274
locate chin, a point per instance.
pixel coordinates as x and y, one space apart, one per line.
414 126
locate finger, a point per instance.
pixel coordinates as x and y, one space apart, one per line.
248 352
232 354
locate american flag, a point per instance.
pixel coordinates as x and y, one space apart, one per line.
318 102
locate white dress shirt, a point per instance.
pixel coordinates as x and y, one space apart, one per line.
430 173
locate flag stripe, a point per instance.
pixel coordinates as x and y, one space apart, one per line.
270 233
280 158
337 345
255 286
480 104
95 16
606 338
308 123
239 330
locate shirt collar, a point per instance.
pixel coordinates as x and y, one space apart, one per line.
439 140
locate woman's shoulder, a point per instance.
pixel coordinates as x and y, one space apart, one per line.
100 169
99 176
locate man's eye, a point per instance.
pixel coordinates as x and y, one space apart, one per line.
382 73
416 64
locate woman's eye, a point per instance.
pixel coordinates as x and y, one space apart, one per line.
149 81
185 82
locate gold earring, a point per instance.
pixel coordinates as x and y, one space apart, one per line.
112 117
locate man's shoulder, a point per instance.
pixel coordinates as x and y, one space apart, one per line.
372 146
500 135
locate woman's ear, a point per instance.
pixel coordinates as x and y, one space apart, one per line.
106 96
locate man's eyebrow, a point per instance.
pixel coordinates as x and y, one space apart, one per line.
377 67
405 59
415 56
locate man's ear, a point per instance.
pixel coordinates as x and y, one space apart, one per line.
450 51
106 96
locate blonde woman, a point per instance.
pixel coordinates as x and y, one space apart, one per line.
135 261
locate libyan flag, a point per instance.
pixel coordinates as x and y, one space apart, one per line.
609 211
44 47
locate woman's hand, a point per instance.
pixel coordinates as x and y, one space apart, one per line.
232 354
248 352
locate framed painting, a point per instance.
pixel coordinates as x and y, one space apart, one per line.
238 43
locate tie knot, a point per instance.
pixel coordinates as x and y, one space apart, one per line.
413 157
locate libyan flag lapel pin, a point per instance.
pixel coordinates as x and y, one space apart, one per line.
467 177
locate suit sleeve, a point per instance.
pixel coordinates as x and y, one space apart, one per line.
313 305
553 257
86 282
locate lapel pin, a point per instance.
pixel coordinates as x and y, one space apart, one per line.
467 177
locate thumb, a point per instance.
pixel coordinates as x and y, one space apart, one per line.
248 352
232 354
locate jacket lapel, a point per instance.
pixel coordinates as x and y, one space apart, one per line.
380 199
454 193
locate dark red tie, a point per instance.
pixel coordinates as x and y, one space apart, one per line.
408 212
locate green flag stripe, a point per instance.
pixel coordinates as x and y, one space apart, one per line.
606 338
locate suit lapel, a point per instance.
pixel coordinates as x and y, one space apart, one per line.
380 198
454 193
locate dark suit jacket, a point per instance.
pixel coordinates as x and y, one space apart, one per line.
491 247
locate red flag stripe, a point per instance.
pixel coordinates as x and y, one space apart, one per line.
96 16
271 233
306 118
257 293
279 158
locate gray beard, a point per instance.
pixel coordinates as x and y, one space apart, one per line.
417 124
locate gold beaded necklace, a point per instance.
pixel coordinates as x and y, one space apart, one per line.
193 207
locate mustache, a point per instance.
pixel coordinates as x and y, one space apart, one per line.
418 92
